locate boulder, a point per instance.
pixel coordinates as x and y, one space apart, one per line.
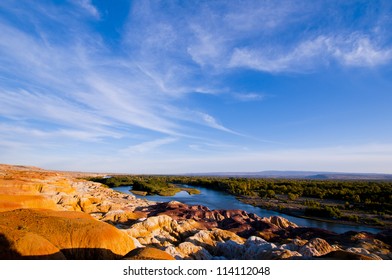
189 251
122 216
280 222
364 252
148 253
315 247
154 230
209 238
162 230
21 244
76 234
255 248
294 245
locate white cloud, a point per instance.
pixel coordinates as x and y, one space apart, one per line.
212 122
207 48
80 83
149 146
356 51
360 51
247 97
88 7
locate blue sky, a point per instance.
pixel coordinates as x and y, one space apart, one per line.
196 86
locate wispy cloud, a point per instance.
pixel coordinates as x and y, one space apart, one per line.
149 145
247 97
212 122
358 50
244 35
88 7
80 83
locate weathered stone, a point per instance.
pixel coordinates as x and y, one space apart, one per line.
122 216
76 234
280 222
189 251
315 247
364 252
294 245
21 244
148 253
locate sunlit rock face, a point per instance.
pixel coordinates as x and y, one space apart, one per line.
77 235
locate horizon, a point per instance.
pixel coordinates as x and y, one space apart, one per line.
172 87
220 173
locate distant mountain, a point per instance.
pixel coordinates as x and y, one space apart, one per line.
317 175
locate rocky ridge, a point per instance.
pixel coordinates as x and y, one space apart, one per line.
53 215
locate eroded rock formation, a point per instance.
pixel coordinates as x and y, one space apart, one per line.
76 235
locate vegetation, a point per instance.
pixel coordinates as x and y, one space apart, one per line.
149 184
359 195
318 210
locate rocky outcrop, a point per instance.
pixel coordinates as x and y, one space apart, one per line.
77 235
28 187
240 222
236 234
148 253
315 247
20 244
163 230
189 251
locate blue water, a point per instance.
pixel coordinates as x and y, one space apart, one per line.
220 200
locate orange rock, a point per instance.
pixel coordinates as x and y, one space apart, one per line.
122 216
10 202
20 244
76 234
148 253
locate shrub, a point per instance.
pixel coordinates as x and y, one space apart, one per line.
292 196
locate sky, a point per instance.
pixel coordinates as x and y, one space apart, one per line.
168 87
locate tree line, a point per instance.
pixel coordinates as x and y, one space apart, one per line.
365 195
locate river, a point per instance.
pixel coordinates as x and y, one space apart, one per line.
219 200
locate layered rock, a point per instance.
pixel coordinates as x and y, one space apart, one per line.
238 221
21 244
220 235
77 235
148 253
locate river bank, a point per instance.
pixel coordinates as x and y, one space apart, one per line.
214 199
297 208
